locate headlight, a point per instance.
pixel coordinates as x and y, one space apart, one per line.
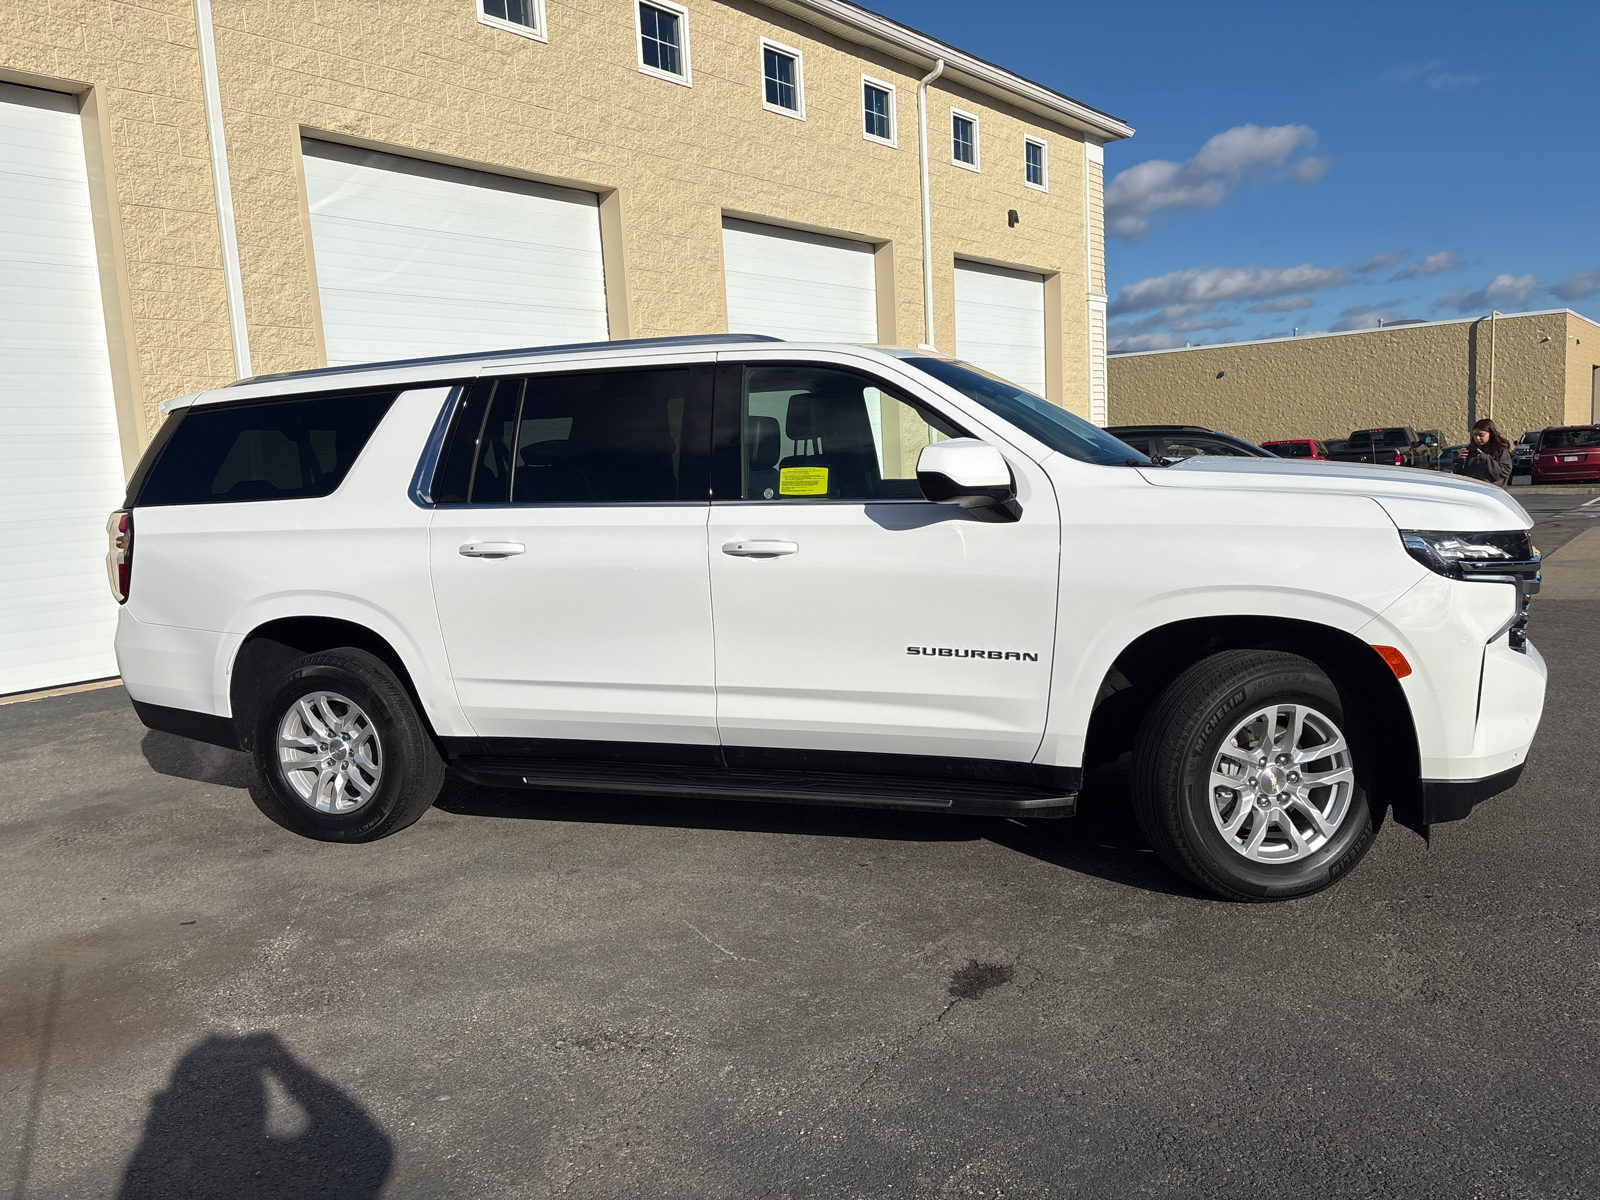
1473 555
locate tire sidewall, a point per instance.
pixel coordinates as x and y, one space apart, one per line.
1269 880
364 822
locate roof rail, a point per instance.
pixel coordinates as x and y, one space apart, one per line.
443 360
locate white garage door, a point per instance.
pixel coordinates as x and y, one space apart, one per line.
801 286
60 463
1000 322
414 258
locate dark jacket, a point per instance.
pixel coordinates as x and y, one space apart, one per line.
1478 463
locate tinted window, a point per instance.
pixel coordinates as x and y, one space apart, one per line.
1570 439
272 450
568 439
1291 449
1049 423
1191 446
816 433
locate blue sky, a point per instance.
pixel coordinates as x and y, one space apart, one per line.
1323 166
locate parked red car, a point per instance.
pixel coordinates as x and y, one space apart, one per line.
1567 454
1298 448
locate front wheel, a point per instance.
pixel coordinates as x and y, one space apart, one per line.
1245 781
342 753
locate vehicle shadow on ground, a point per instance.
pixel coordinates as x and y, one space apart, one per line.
1102 841
201 762
241 1119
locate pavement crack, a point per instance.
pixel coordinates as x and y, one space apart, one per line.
718 945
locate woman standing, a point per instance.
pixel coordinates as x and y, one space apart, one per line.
1488 457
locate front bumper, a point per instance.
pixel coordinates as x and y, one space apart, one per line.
1453 799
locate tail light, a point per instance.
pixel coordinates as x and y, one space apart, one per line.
119 554
1399 461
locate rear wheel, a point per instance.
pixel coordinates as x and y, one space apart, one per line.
342 753
1245 780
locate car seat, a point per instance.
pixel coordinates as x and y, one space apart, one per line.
832 427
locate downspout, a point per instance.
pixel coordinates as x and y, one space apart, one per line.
231 275
1494 315
927 212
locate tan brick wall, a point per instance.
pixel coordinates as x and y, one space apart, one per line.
1583 360
142 61
425 77
1425 376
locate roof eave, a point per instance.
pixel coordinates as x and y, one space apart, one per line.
858 25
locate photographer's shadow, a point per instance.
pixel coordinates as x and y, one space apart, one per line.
217 1130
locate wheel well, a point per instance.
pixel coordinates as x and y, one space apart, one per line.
269 649
1375 704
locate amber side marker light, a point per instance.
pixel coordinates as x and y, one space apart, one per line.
1397 661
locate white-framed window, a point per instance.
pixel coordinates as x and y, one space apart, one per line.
515 16
783 87
877 111
1036 163
964 139
663 29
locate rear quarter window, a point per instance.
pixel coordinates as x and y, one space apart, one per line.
268 450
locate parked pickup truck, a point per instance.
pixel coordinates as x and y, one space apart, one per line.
1399 446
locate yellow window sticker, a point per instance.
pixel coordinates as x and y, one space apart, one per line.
803 481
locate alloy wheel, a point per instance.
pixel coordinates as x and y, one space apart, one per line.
330 753
1281 784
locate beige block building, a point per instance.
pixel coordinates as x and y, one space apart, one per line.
556 93
1527 371
196 190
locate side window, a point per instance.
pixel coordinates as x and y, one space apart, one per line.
1194 447
818 433
267 450
606 437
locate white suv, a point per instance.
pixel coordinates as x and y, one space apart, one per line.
817 573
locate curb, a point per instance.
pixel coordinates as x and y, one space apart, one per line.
69 690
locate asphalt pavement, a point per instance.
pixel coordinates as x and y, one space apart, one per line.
608 997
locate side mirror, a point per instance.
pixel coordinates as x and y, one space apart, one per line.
969 474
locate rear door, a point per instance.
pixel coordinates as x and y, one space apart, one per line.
569 555
851 614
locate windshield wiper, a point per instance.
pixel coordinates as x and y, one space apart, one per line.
1147 462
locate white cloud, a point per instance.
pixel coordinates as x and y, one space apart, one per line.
1311 168
1193 326
1509 290
1433 74
1369 316
1208 286
1287 304
1576 286
1244 154
1147 341
1434 264
1378 261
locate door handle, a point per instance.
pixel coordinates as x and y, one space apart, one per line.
491 549
760 549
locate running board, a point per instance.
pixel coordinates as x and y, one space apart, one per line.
779 787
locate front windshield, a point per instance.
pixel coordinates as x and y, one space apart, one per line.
1049 423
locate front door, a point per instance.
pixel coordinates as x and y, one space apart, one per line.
851 614
569 556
